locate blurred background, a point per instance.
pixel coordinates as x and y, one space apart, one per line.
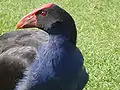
98 27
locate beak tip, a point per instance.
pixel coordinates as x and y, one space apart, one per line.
18 26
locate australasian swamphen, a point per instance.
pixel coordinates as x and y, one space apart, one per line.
59 63
17 51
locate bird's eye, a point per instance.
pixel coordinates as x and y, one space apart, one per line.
43 13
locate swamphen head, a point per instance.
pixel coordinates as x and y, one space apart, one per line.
52 19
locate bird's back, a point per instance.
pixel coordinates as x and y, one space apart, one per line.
17 51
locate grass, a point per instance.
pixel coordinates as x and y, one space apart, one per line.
98 24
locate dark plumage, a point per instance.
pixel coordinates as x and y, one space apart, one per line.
17 51
59 63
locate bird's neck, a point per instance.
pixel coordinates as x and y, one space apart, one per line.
57 38
63 32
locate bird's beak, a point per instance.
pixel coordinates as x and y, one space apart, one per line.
30 19
27 21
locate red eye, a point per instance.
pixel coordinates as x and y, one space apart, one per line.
43 13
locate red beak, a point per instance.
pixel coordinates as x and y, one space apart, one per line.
27 22
30 19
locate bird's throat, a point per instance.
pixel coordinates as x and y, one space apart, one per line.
65 32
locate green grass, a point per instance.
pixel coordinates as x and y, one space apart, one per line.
98 24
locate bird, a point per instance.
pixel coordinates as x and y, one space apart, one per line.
18 51
59 64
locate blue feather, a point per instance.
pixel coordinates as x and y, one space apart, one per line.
57 66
